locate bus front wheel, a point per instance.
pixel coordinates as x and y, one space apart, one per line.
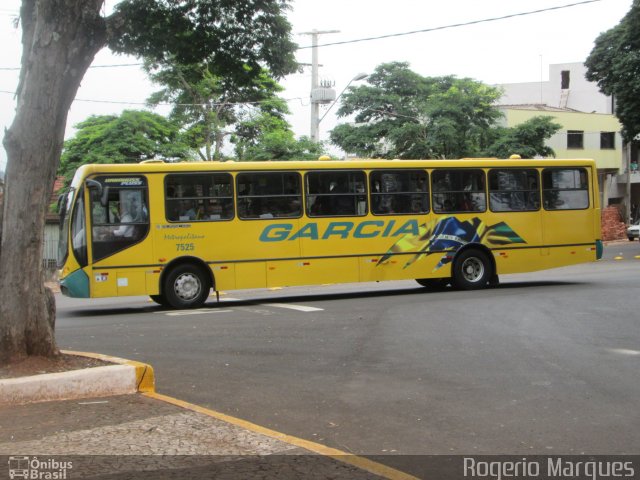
472 269
186 286
160 300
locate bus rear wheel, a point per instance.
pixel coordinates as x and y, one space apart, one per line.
472 269
186 286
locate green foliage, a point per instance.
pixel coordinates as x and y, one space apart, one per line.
207 106
230 35
401 114
130 137
614 63
526 139
268 137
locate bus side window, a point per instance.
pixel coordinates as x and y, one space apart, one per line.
513 190
565 189
399 192
458 191
124 220
198 197
265 195
336 193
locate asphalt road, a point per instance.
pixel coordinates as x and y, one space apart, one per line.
545 363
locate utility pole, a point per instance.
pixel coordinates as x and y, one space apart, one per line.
317 96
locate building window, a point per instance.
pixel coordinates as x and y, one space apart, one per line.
575 139
565 78
607 140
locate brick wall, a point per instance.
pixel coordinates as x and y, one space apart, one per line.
613 228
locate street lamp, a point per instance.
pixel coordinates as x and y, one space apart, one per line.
360 76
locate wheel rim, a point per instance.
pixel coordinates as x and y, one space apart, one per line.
187 286
472 269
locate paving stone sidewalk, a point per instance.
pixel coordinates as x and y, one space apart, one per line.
134 436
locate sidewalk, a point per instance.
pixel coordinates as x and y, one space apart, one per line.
149 435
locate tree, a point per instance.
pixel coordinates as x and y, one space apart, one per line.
264 136
401 114
206 102
60 39
130 137
614 63
526 139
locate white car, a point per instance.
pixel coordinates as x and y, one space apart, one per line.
633 231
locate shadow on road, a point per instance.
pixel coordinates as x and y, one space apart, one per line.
102 310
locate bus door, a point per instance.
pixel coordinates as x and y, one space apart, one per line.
119 219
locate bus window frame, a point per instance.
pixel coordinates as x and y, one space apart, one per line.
299 195
426 192
435 192
539 189
145 197
588 183
365 194
167 199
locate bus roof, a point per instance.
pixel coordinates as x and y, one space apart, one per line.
232 166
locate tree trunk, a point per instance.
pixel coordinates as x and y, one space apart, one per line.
60 39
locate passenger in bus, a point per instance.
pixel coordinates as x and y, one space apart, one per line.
213 211
127 217
187 210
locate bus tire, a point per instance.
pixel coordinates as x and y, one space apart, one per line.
472 269
186 286
160 300
434 283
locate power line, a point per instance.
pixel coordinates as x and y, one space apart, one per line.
92 66
217 104
453 25
391 35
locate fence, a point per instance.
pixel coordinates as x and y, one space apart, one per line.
50 249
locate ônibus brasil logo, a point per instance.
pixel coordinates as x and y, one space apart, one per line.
36 469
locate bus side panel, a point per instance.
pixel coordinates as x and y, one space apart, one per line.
225 276
315 271
403 267
103 282
131 282
522 251
251 275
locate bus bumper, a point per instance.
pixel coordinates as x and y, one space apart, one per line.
75 285
599 249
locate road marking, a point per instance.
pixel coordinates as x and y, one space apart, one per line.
625 351
199 311
299 308
339 455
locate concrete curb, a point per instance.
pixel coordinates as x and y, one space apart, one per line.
124 377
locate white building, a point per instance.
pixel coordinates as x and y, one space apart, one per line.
567 90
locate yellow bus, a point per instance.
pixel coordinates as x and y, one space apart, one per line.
177 231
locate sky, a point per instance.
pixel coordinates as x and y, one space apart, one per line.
512 50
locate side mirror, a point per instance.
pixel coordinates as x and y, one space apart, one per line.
103 192
61 206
